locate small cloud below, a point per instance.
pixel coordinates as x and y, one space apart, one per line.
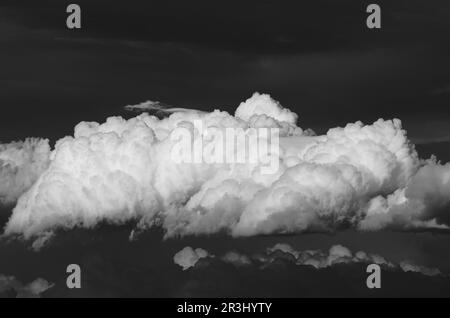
11 287
318 259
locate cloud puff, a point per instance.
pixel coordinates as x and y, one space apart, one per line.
11 287
263 104
364 176
408 267
21 164
188 257
236 259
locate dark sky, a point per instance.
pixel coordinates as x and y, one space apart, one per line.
112 266
317 58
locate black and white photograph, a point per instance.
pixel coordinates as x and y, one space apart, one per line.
247 150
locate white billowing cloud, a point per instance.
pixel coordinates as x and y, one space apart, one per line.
332 179
365 176
188 257
32 290
21 164
99 174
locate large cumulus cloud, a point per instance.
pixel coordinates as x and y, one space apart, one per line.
364 176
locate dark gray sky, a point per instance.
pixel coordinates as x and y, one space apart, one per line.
315 57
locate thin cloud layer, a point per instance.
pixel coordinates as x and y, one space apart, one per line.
318 259
363 176
157 107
